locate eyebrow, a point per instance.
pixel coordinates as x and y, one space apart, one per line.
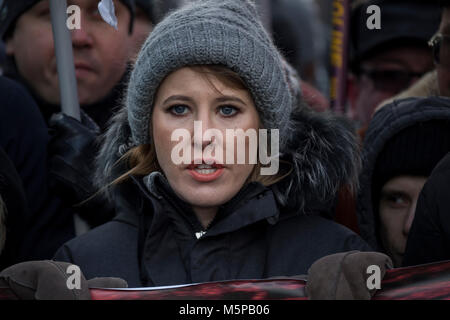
188 99
177 98
230 99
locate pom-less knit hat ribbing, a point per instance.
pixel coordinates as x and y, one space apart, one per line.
211 32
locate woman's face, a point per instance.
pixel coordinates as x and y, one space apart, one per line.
185 96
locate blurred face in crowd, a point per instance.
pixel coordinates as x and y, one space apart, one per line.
141 29
189 95
397 207
443 65
100 52
385 75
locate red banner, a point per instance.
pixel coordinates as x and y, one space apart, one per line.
424 282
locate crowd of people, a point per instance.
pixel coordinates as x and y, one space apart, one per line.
104 193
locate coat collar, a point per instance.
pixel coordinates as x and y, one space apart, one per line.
164 222
252 203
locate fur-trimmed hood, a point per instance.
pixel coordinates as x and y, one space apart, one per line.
323 153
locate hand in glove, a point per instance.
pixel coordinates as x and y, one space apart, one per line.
52 280
72 152
343 276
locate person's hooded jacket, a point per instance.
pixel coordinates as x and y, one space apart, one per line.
156 239
384 126
262 232
429 239
38 222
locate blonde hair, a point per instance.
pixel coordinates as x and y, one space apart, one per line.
142 159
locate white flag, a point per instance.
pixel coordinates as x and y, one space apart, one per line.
106 9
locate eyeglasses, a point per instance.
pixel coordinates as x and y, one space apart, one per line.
390 80
440 45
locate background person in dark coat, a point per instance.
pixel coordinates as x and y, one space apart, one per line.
429 239
430 234
101 54
42 218
404 142
13 212
181 224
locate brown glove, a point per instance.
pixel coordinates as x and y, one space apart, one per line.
52 280
343 276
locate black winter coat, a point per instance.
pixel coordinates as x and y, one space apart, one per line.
153 241
429 237
46 223
15 209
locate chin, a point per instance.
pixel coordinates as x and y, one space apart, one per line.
207 196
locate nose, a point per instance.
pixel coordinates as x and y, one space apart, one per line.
409 218
202 124
81 37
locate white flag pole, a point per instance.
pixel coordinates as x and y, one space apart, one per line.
64 59
66 76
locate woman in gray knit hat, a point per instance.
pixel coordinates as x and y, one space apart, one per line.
188 210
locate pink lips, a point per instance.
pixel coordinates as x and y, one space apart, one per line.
208 177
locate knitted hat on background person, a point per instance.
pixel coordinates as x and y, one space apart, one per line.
11 10
414 151
403 22
211 32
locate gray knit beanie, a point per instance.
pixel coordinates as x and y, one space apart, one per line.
206 32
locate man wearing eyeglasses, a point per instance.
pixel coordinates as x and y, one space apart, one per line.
440 44
388 60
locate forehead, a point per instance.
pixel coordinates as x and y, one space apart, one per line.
406 183
81 3
400 54
195 80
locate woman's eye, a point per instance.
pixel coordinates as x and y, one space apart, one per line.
178 110
228 111
398 201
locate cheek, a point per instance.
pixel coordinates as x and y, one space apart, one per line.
392 222
42 54
113 65
163 144
370 98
